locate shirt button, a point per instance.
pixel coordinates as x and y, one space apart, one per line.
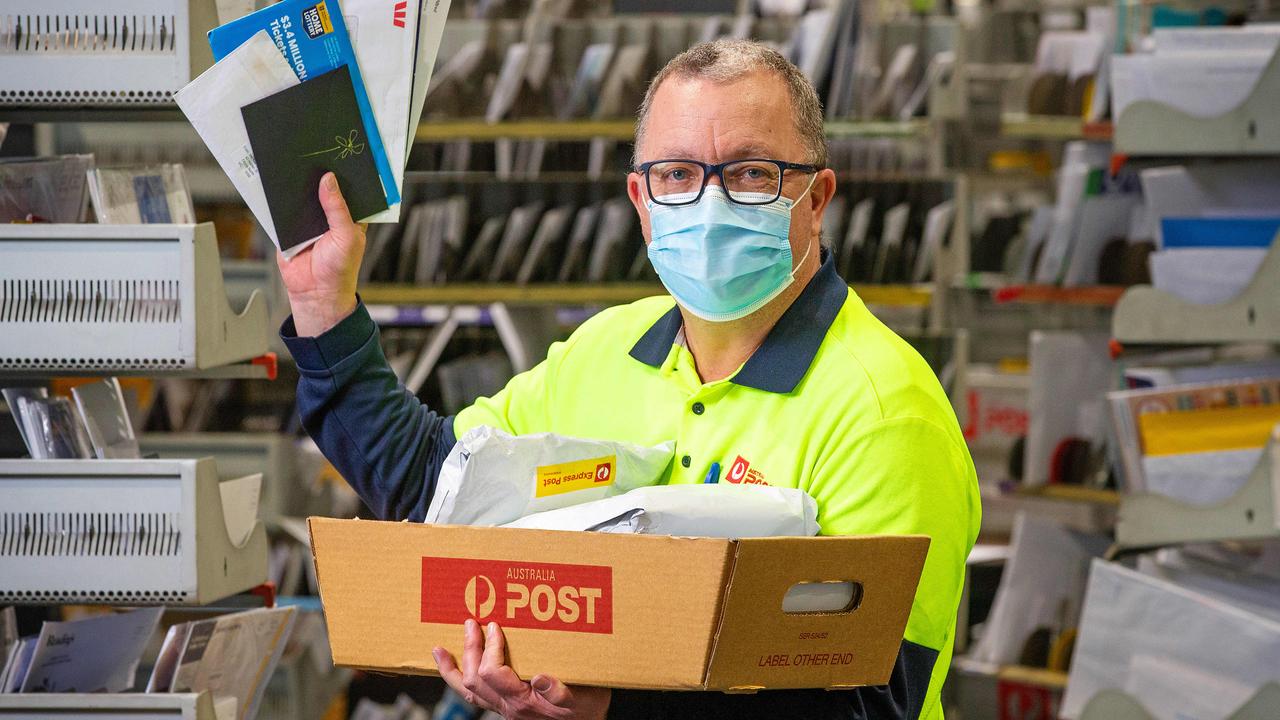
699 408
686 461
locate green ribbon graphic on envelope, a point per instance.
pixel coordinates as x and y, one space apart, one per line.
345 148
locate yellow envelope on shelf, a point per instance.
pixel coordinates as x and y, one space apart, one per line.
1207 430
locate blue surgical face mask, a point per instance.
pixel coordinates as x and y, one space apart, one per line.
719 259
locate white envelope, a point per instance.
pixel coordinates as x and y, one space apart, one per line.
212 103
430 29
384 35
1205 276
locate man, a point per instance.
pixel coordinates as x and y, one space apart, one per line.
766 363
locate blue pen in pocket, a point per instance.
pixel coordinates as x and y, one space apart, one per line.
713 474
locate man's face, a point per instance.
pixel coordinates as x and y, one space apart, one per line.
712 122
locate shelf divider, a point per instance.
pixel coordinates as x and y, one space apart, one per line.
1149 520
1147 127
1147 315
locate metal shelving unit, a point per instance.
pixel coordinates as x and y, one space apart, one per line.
79 55
121 299
124 532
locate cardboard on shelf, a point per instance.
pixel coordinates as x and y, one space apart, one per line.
628 611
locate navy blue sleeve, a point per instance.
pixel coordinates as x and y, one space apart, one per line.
901 699
385 442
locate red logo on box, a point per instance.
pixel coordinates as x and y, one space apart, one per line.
539 596
399 14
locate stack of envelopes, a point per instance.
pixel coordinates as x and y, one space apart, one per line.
306 87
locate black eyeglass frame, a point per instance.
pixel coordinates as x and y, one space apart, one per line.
718 170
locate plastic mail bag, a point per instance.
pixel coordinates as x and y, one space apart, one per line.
724 511
493 478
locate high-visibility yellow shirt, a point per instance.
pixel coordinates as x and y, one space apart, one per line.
833 403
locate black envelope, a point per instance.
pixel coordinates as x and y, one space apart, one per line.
299 134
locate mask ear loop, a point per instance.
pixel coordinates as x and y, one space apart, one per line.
812 179
803 258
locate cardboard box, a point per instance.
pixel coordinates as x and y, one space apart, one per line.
632 611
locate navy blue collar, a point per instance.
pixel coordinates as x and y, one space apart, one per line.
780 362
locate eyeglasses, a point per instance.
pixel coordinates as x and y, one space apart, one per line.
753 181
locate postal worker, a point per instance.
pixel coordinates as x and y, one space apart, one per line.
761 359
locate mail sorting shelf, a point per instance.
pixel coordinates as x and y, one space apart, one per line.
1148 127
239 454
1147 315
88 54
127 532
103 706
122 299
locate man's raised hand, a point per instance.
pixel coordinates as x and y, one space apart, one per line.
321 279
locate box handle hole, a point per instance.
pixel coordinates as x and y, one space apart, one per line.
825 597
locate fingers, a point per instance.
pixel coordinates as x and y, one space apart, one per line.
553 691
452 675
449 670
495 646
335 208
474 681
472 648
493 666
485 679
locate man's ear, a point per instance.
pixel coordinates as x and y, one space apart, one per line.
637 194
824 188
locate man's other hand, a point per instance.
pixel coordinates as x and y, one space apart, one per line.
321 279
485 680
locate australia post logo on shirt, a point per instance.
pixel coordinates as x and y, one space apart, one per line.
741 473
539 596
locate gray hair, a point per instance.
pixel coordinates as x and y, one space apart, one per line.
727 60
